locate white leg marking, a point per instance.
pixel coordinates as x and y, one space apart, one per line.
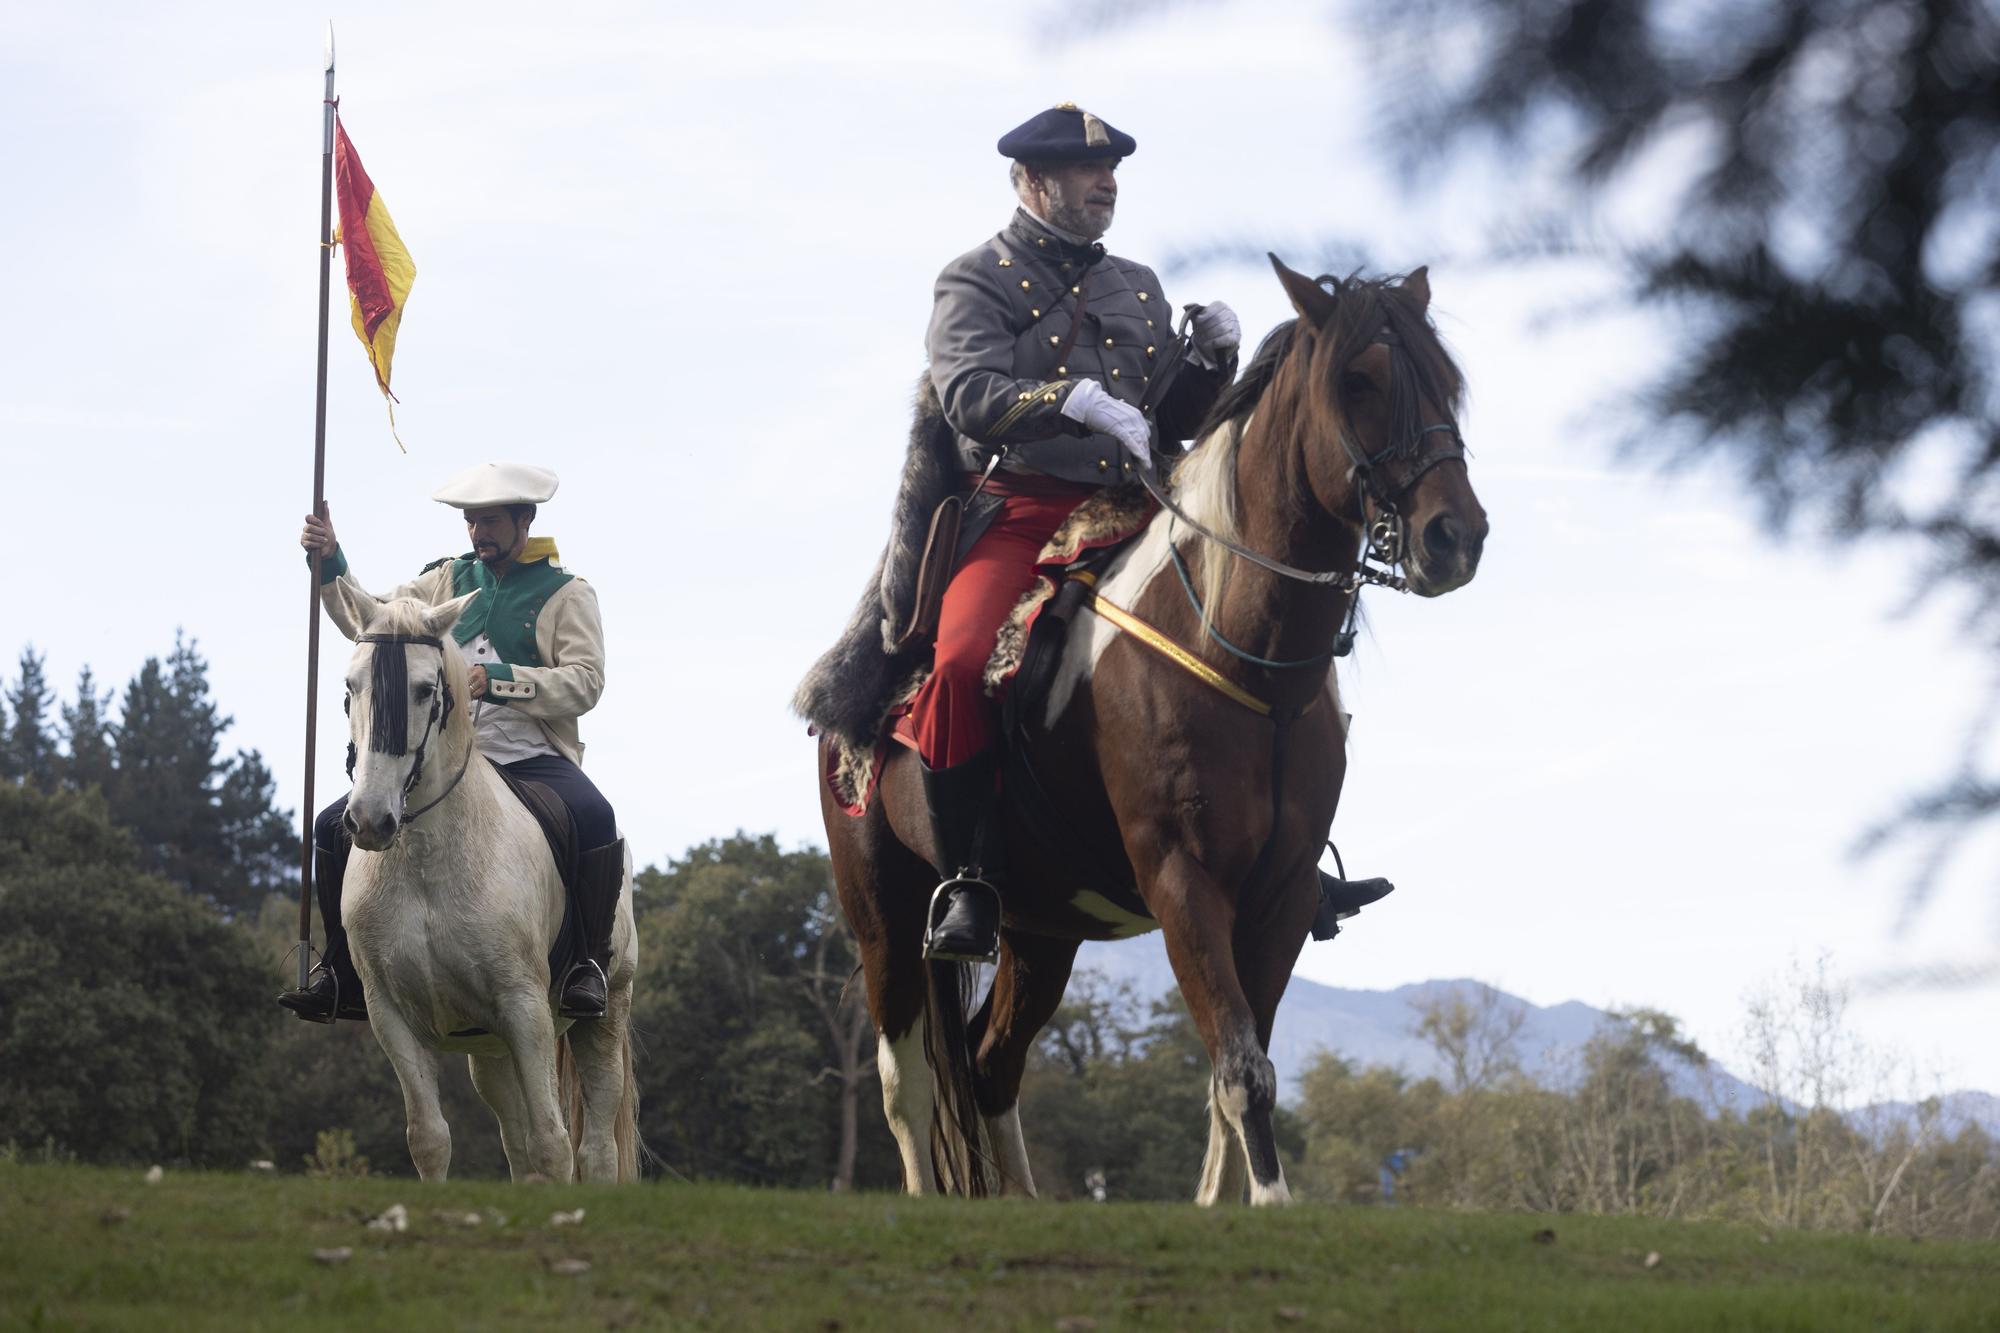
1225 1169
1232 1104
1010 1150
906 1101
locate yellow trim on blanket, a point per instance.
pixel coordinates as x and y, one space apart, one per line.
1167 648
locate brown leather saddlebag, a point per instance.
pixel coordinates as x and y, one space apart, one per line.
934 574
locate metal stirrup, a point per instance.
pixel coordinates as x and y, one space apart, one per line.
942 893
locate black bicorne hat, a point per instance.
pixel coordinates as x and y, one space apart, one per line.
1065 133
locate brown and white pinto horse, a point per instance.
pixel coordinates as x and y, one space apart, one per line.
1346 413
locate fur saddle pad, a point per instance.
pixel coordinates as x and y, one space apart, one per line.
1107 519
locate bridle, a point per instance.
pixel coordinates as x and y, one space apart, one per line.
390 738
1383 478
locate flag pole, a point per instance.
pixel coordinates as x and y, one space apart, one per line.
319 508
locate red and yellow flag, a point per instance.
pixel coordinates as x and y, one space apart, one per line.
379 269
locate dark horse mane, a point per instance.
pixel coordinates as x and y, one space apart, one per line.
1365 311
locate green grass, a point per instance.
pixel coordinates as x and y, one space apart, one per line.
216 1251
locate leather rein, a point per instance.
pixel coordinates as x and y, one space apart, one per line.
440 712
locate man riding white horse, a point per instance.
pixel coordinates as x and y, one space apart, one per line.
535 648
1042 350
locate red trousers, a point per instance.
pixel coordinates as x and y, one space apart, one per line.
952 716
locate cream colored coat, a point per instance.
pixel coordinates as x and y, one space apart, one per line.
568 633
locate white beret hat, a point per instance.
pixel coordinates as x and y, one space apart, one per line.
488 484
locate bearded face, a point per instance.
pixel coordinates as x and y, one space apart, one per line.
1079 197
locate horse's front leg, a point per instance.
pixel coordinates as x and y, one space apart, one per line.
1027 989
1199 920
528 1028
416 1065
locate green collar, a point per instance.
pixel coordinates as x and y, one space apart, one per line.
506 608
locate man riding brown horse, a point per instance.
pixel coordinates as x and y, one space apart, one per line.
1042 349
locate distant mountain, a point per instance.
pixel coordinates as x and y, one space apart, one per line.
1371 1027
1960 1108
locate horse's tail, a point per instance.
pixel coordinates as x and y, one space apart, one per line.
569 1092
625 1127
958 1161
624 1124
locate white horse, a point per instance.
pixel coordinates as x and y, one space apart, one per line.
452 902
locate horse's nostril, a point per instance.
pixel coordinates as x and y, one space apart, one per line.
1441 536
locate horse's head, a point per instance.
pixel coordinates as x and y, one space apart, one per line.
406 690
1378 411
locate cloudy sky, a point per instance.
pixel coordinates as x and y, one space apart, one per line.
683 255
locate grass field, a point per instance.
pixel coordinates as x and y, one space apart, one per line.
94 1248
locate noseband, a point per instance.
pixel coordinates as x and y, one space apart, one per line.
1388 475
390 712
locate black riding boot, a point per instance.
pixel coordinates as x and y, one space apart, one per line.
333 990
587 987
966 929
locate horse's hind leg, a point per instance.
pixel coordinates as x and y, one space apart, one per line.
598 1047
416 1065
907 1093
1027 989
1199 924
883 889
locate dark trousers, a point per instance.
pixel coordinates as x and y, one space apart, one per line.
596 825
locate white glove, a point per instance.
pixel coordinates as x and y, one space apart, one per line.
1217 335
1102 414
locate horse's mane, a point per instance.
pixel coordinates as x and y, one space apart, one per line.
1364 311
405 615
1240 399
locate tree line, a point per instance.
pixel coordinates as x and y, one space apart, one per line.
146 915
1630 1125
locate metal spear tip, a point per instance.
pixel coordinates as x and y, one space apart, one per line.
329 46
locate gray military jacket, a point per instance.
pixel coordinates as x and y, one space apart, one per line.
1004 362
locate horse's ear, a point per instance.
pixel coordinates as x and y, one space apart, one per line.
360 605
1418 284
444 615
1313 302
